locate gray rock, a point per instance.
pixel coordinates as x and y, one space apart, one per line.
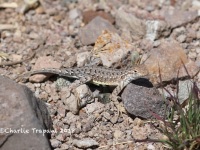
130 22
83 58
61 111
150 146
61 137
64 146
196 4
192 55
70 62
197 62
118 134
107 115
74 13
84 94
198 50
22 112
55 143
184 90
90 108
180 30
181 38
177 17
198 35
69 1
156 29
139 101
88 126
70 101
71 118
156 43
85 143
93 29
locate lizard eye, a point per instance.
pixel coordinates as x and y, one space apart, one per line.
135 71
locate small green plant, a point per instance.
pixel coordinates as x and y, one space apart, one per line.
182 126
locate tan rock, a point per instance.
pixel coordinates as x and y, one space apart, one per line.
128 21
70 101
16 57
111 48
82 58
44 62
118 134
167 60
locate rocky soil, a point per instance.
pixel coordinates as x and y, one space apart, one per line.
38 34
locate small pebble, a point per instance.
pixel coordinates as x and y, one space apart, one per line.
181 38
198 50
55 143
85 143
192 55
118 134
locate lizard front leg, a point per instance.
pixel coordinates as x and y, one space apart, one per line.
114 97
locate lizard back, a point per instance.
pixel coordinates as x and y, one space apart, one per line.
99 75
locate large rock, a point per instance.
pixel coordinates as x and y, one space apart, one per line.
167 61
156 29
141 101
93 29
177 17
111 48
128 22
21 112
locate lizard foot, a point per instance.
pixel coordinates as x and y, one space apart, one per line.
120 108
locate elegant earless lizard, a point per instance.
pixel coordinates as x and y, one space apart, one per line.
99 75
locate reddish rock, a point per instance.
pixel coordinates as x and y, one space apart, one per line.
90 14
168 60
178 17
91 31
44 62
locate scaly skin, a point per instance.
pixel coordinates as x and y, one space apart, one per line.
99 75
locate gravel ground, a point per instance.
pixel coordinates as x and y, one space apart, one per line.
55 34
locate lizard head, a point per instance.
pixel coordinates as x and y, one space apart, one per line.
139 71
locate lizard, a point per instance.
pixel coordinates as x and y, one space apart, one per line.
99 75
